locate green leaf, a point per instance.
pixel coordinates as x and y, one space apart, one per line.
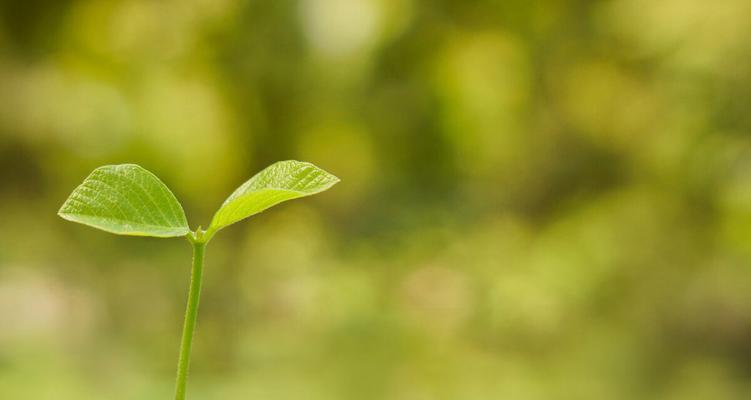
127 200
281 181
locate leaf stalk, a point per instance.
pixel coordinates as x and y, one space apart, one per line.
198 242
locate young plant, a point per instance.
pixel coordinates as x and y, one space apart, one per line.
126 199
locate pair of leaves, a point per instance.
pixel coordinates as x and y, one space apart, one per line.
128 200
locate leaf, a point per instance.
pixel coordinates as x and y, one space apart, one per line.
281 181
127 200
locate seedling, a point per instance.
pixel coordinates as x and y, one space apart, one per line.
126 199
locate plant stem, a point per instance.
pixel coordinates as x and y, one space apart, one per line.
191 312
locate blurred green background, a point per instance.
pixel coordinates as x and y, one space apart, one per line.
539 199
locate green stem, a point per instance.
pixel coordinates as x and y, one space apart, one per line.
191 312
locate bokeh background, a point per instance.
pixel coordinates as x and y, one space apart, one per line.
539 199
